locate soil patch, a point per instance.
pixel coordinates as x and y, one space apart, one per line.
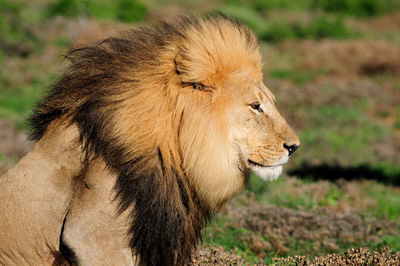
347 58
382 24
324 228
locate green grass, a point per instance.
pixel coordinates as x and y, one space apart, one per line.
281 193
328 18
295 75
389 170
123 10
285 193
14 27
388 201
62 42
263 5
332 197
219 233
388 240
16 107
247 15
397 124
278 196
331 132
320 26
357 8
347 131
278 193
7 159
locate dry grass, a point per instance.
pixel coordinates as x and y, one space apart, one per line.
359 256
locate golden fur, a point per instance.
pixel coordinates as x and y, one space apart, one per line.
176 116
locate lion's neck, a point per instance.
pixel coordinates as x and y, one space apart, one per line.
168 215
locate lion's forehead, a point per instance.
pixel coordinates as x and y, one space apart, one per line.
246 80
212 50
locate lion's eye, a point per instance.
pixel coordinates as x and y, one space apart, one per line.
198 86
256 106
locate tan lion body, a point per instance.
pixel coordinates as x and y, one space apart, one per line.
35 196
37 209
93 227
164 126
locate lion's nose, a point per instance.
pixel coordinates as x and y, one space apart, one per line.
291 148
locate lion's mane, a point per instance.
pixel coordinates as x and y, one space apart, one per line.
126 96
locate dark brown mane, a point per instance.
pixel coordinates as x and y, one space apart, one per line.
168 213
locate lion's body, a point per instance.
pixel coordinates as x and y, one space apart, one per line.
104 240
35 196
169 120
59 201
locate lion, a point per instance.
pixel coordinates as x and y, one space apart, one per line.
143 138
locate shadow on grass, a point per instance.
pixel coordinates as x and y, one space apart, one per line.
335 172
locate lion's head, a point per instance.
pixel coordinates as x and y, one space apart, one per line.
229 121
179 112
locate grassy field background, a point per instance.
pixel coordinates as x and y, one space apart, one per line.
334 66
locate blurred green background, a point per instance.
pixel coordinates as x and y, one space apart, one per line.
334 66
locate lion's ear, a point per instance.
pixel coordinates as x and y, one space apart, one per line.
178 64
192 73
181 70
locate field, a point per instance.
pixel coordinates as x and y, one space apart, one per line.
334 66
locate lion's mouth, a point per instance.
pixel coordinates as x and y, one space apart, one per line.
251 162
266 172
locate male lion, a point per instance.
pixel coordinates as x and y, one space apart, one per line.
141 140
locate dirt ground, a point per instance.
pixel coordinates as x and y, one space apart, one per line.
321 230
326 229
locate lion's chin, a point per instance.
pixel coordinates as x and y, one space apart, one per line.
270 173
